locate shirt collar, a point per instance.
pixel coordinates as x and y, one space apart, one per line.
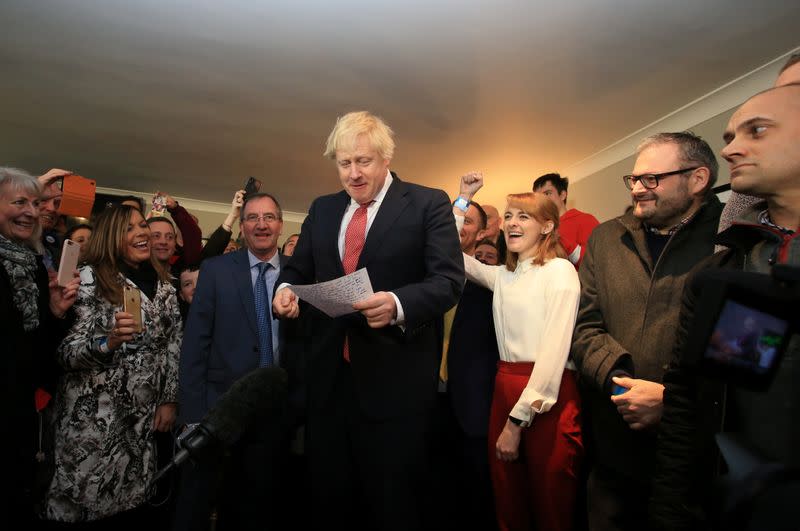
254 261
674 229
523 266
764 219
378 198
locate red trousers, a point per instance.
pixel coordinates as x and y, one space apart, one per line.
538 490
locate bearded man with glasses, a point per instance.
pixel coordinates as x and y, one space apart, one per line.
632 277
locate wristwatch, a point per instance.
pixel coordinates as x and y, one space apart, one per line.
515 420
461 204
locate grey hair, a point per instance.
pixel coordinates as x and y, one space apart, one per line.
14 179
693 150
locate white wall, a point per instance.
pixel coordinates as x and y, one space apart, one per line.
596 182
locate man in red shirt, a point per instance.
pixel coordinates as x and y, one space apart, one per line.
574 226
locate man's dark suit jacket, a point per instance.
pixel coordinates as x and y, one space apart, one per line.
220 345
412 250
472 360
220 341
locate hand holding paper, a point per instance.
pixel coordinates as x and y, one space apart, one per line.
380 309
338 296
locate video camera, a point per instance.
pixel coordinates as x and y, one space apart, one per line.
743 324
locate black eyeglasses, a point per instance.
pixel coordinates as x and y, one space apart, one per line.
650 180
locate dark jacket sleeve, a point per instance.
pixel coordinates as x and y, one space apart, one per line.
301 269
596 354
197 338
427 300
216 243
685 451
192 235
52 331
295 345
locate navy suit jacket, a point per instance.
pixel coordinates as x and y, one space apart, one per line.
412 250
220 341
472 360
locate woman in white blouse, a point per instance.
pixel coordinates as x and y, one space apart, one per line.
534 431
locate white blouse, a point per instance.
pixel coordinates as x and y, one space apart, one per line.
534 309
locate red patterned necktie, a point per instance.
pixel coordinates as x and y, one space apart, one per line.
354 238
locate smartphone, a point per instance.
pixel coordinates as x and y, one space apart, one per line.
132 304
252 185
70 252
617 389
79 193
159 205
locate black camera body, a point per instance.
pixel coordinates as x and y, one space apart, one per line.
252 186
743 323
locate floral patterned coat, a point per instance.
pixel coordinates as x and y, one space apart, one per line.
104 407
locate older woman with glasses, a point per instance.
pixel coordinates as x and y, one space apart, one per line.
32 311
120 380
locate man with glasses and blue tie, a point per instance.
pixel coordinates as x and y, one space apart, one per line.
632 278
230 331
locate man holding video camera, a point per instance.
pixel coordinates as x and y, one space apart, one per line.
762 140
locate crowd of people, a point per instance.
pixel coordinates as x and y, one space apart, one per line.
514 371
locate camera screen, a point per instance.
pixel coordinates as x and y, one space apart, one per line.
745 338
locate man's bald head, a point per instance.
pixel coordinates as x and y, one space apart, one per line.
790 73
762 140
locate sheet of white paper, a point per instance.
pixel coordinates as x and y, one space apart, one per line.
336 297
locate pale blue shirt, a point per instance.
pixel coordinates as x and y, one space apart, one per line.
270 277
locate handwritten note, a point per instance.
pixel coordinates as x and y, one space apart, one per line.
336 297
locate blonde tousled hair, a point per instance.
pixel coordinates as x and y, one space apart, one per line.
354 124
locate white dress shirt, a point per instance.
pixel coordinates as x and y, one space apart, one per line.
372 211
534 309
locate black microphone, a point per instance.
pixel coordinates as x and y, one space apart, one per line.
255 396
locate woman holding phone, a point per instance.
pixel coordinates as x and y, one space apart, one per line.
119 384
33 317
535 441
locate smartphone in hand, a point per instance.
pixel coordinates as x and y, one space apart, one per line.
617 389
159 205
132 304
252 185
70 252
79 194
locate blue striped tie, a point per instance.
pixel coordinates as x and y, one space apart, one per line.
264 316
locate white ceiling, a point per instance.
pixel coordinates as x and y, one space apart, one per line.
192 96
